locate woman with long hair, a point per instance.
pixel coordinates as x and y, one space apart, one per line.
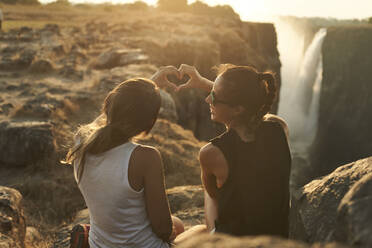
121 181
245 171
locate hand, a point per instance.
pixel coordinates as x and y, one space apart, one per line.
195 81
160 77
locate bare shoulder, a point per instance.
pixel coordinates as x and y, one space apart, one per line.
144 151
147 156
210 155
209 150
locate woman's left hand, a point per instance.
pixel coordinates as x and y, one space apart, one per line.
160 77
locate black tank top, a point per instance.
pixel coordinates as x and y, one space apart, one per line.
254 199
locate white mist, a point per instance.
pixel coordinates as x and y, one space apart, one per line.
301 83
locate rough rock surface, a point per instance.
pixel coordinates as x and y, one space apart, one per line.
222 241
179 150
345 118
354 214
322 205
24 143
168 109
12 220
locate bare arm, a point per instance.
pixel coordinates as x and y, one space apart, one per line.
157 205
196 80
214 172
210 211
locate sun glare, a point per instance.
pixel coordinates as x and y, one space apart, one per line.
249 10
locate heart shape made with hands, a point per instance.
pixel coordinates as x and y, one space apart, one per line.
173 79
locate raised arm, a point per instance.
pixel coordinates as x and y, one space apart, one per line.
196 80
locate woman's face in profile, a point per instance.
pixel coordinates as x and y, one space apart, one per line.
219 107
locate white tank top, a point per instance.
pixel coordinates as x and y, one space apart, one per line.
118 214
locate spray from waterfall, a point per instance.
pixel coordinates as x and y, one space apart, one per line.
300 91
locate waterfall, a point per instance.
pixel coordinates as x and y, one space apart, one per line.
300 90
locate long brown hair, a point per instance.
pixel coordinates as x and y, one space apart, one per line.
130 109
245 86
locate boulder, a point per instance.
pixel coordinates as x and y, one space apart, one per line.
41 66
119 57
194 114
187 203
24 143
168 109
354 215
319 207
222 241
19 59
71 72
185 197
344 127
12 220
33 111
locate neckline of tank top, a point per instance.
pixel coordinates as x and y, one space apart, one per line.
112 149
236 135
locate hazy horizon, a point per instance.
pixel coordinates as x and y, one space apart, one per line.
266 9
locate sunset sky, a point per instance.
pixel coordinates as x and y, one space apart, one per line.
261 9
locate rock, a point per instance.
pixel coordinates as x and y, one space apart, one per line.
119 57
70 72
52 28
313 216
345 91
7 242
116 75
33 111
12 220
179 150
185 197
5 108
19 59
24 143
41 66
222 241
25 34
168 109
32 235
354 215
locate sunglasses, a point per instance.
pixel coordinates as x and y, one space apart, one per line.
214 99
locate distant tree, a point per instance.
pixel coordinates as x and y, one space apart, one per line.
199 7
225 11
29 2
137 5
63 2
172 5
370 20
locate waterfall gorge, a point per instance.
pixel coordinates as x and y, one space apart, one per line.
301 83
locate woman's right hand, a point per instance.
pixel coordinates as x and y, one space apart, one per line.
195 81
160 77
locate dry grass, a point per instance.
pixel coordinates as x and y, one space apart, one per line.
16 16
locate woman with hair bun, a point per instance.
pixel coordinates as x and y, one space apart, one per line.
245 171
121 181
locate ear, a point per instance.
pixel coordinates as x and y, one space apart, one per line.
238 110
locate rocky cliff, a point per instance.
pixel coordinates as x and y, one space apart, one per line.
53 78
345 117
336 207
